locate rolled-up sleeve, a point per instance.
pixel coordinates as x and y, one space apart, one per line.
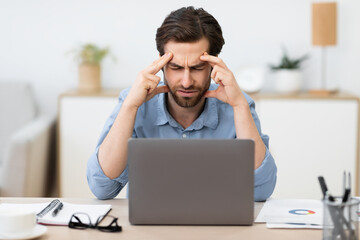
102 186
265 178
265 175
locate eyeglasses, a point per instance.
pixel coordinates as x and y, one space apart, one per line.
82 221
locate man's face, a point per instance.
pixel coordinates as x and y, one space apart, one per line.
187 77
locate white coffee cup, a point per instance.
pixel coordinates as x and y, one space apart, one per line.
16 223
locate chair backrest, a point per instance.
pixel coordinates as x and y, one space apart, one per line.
17 107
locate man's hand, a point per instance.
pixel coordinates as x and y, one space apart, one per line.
146 83
228 90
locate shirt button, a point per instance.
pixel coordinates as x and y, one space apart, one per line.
184 135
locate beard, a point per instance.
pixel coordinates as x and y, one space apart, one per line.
188 102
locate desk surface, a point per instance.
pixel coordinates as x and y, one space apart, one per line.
120 210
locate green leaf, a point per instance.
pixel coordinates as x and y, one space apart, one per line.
287 63
90 53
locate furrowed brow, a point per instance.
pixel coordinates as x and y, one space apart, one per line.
174 65
199 65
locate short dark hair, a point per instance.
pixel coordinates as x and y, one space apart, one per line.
188 24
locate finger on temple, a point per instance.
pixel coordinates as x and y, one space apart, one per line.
163 61
212 60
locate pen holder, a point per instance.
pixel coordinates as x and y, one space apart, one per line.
341 219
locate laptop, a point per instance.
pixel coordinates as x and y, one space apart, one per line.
191 181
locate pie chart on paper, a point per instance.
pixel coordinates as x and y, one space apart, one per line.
301 212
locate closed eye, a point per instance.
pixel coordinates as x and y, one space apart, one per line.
175 68
197 68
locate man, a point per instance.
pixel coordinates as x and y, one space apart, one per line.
186 105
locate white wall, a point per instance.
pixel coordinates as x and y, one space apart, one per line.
35 36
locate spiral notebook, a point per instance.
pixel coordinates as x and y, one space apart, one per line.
44 211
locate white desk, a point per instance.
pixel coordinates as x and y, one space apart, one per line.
120 210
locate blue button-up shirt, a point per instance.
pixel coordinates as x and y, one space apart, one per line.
154 121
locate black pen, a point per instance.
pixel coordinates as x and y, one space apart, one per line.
57 209
347 188
324 189
346 196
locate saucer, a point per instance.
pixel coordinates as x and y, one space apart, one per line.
38 231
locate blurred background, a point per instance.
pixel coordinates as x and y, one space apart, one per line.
36 44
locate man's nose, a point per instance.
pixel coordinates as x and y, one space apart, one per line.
186 80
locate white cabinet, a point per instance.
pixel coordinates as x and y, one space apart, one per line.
311 136
81 120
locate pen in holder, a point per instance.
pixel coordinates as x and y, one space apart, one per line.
340 219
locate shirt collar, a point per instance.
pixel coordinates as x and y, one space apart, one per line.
208 118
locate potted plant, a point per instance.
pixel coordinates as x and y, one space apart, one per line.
89 57
288 76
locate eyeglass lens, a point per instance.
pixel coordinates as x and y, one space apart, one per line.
106 223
